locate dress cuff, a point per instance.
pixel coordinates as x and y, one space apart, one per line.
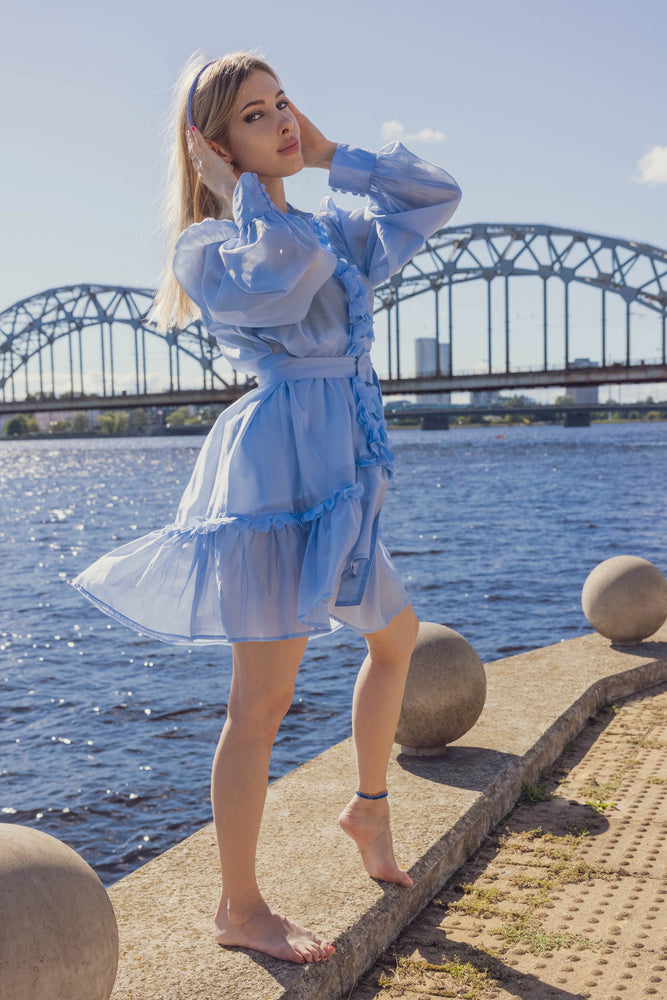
351 169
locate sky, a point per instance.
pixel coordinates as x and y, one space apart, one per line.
543 112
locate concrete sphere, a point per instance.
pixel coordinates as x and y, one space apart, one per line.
444 693
625 599
58 933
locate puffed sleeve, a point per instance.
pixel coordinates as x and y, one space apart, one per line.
408 200
261 269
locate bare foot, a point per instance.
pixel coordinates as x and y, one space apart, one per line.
367 822
266 931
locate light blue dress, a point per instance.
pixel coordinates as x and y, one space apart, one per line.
276 535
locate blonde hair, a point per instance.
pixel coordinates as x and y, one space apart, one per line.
187 200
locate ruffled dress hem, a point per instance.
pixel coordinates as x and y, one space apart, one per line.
204 640
197 576
310 633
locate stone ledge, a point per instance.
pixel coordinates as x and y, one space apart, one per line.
441 807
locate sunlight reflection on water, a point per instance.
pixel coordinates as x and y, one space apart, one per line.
107 736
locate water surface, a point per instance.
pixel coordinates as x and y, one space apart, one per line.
106 736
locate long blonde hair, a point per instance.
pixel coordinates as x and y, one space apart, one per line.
187 200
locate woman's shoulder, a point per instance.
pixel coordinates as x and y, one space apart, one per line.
251 204
207 231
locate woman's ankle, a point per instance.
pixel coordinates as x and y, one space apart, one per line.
238 911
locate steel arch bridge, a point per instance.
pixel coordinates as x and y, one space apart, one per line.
497 252
87 345
87 321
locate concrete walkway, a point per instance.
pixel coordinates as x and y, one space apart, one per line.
442 809
566 898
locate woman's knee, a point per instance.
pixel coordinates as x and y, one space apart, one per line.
411 626
397 640
259 715
263 684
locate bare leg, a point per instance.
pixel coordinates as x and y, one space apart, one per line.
261 693
378 695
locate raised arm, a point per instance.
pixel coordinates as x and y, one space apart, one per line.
408 200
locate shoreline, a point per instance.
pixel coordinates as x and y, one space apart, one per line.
406 425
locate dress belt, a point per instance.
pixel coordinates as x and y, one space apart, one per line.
281 367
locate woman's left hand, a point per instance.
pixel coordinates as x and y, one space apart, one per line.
316 149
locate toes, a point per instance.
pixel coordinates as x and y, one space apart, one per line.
311 953
391 874
402 878
321 951
292 951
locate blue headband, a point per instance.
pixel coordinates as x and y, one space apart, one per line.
192 92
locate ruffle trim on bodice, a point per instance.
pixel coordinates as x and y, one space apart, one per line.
261 522
370 410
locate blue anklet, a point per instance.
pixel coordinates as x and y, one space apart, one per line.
382 795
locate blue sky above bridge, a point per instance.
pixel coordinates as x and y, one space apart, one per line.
543 112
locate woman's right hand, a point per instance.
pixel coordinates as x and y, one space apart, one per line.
214 172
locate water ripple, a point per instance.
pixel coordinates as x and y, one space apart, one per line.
493 538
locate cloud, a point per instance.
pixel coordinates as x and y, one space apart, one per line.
396 130
427 135
652 168
392 130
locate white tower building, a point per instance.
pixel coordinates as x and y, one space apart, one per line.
425 365
583 394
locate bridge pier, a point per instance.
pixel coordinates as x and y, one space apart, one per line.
577 418
159 417
434 422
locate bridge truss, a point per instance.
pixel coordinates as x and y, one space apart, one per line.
94 339
92 342
494 253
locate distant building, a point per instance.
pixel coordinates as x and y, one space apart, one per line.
485 398
583 394
46 418
425 364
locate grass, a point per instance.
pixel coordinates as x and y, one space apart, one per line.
556 855
465 975
598 794
537 792
598 805
528 931
646 744
476 902
544 844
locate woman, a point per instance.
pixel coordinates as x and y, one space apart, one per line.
276 538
